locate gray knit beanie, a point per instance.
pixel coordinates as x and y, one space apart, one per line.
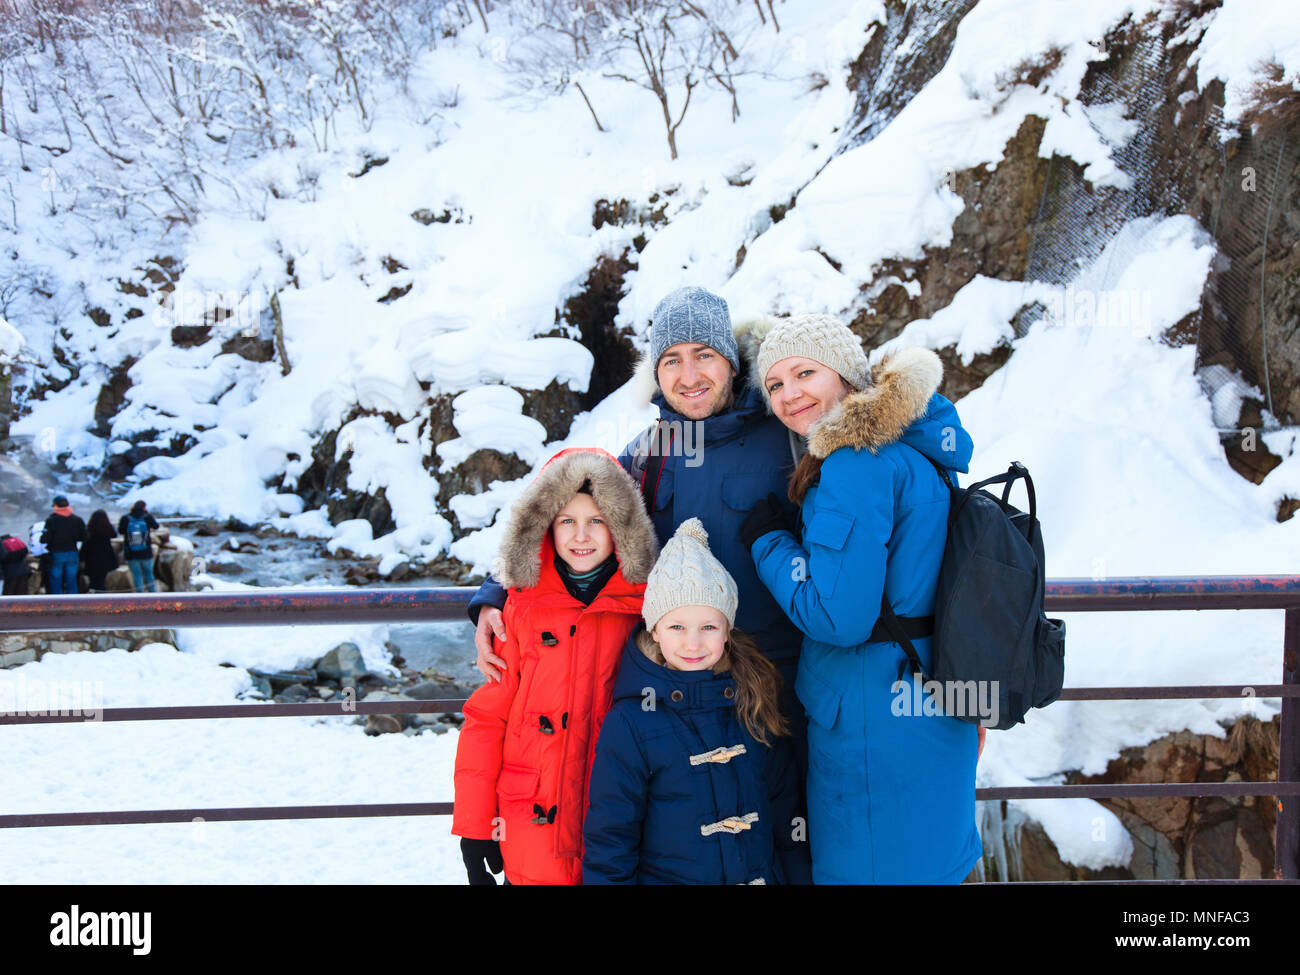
687 574
822 338
692 314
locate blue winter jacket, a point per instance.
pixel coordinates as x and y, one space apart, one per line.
662 812
735 459
891 792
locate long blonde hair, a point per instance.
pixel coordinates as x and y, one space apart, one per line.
758 682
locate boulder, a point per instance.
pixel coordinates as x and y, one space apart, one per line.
173 568
281 679
119 580
293 694
344 664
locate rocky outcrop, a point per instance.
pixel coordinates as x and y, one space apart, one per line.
146 444
1033 218
1210 837
899 59
991 237
325 482
591 312
341 676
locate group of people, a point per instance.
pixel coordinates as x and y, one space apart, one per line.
719 711
65 546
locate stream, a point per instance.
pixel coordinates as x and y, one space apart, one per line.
29 481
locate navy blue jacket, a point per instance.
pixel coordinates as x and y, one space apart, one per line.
657 804
736 459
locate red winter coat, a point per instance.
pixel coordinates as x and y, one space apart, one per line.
526 747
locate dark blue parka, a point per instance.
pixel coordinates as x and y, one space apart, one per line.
681 793
735 460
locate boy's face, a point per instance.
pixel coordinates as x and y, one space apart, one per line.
582 539
691 637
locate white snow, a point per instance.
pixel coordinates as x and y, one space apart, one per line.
1241 38
11 342
1114 425
93 765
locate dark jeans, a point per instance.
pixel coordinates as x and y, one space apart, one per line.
63 573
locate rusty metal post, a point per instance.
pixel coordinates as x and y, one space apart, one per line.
1286 863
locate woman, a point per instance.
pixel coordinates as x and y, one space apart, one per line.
97 553
891 797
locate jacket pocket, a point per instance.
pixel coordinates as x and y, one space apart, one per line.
826 534
740 492
820 700
517 783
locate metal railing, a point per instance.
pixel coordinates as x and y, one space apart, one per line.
329 606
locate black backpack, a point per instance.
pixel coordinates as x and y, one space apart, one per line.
988 625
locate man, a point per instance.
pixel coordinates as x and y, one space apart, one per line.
63 533
739 455
134 528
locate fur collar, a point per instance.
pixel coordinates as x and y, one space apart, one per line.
901 387
519 561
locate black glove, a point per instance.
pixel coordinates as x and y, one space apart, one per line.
482 859
766 516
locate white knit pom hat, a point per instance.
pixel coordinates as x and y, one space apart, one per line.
822 338
687 574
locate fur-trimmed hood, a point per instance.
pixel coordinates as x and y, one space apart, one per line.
519 561
902 404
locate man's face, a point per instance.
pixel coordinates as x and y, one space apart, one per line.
695 379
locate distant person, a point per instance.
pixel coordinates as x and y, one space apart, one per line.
13 561
134 527
98 552
42 553
64 532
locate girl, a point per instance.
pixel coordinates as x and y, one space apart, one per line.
578 548
891 797
694 780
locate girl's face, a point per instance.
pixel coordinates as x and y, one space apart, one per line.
803 391
582 539
691 637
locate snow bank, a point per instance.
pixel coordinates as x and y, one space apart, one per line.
215 763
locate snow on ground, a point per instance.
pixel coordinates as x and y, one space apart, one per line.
212 763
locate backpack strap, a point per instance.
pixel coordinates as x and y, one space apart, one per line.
902 630
654 463
1014 473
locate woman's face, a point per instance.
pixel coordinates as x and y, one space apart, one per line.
580 534
803 391
691 637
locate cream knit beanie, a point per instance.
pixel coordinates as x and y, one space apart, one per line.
687 574
822 338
